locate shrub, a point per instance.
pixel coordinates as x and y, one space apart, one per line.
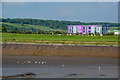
111 33
77 33
57 32
41 32
4 29
28 32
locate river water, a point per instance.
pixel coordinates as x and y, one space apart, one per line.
60 67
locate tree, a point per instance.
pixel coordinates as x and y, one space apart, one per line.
111 33
77 33
92 34
21 23
81 33
65 33
41 32
29 32
97 33
89 33
4 29
57 32
18 31
51 33
15 31
53 24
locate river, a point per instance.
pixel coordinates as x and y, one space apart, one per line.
61 67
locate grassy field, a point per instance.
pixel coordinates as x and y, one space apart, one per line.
60 39
29 27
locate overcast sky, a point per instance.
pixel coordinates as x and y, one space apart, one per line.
73 11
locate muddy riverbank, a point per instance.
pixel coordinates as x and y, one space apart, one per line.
19 49
60 67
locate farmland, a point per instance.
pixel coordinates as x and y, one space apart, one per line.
60 39
25 27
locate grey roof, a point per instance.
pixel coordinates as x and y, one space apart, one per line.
83 25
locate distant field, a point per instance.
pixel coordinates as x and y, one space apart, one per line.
60 39
28 27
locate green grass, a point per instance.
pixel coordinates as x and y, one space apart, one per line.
60 39
27 26
114 28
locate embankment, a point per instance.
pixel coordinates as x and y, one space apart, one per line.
59 50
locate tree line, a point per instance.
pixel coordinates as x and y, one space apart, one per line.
53 24
4 30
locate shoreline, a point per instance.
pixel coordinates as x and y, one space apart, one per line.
57 44
59 50
63 66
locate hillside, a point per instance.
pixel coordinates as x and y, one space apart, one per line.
26 27
36 25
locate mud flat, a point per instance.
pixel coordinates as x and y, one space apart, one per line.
60 67
59 50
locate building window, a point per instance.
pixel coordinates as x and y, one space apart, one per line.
83 28
83 31
106 28
89 31
89 27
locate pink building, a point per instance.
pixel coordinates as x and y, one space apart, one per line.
84 29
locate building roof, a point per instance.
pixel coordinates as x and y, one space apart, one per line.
83 25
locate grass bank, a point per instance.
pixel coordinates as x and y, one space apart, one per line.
60 39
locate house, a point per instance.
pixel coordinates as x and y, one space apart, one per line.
86 29
115 32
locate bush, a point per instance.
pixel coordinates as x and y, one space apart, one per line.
51 33
65 33
77 33
28 32
111 33
41 32
57 32
81 33
89 33
97 33
4 29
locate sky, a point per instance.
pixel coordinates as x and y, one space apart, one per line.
60 0
70 11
